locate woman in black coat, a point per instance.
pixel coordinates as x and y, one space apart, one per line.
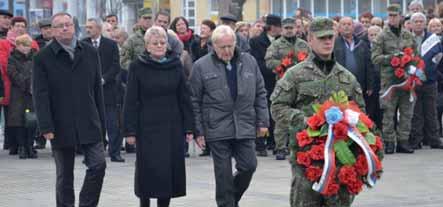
157 115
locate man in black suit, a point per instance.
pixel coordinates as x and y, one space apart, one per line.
68 98
110 62
259 45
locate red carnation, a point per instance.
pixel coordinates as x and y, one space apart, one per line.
361 166
347 175
317 152
315 122
303 139
355 187
399 73
301 56
313 173
340 130
286 62
366 120
405 60
332 189
395 61
303 159
408 51
378 144
421 64
278 69
290 54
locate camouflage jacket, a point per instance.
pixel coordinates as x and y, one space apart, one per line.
132 48
305 84
280 48
385 46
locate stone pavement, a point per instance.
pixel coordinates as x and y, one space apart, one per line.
409 180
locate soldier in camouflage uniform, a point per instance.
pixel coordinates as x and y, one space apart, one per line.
312 81
135 45
392 41
275 53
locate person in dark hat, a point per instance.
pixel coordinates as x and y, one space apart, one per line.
45 33
5 22
230 21
259 46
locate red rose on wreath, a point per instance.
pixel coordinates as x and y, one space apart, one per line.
287 61
355 187
332 188
303 159
315 122
317 152
347 175
408 51
301 56
421 64
405 60
366 120
395 61
303 139
340 130
313 173
361 166
378 143
399 73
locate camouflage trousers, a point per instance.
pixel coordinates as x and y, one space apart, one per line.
281 136
302 194
399 100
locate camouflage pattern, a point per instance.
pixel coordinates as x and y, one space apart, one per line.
303 85
394 8
132 48
385 46
274 54
145 12
322 26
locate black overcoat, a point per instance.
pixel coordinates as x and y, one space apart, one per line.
68 94
158 112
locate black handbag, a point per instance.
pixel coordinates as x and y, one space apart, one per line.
30 119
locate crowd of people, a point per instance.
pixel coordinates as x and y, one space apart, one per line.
154 90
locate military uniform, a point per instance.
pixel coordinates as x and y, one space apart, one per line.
385 46
312 81
132 48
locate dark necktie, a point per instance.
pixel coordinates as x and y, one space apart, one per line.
95 43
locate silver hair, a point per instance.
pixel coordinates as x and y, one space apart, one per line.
416 15
221 31
97 21
375 27
416 2
155 31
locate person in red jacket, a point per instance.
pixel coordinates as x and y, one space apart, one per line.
18 27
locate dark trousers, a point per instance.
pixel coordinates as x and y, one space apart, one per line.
424 121
23 136
92 185
161 202
269 141
113 131
373 108
230 187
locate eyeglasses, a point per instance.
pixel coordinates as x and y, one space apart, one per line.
158 43
59 26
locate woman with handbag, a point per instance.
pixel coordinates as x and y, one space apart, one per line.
20 107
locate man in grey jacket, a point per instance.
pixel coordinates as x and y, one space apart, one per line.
230 108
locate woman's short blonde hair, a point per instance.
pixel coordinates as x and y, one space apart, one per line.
155 31
24 40
241 24
434 21
222 31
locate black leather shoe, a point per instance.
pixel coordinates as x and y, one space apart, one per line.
13 151
204 153
417 146
404 148
440 146
262 153
117 159
187 154
280 155
389 148
22 153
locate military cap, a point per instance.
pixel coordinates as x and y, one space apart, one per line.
6 13
229 17
44 23
394 8
145 12
322 26
288 21
273 20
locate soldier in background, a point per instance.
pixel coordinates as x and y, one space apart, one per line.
312 81
391 41
274 55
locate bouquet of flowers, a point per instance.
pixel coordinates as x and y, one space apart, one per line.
408 70
289 60
339 129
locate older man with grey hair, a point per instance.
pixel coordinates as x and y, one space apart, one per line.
415 6
230 109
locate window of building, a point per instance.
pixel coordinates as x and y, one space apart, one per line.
305 4
291 6
379 9
364 6
320 8
349 8
277 7
189 12
334 8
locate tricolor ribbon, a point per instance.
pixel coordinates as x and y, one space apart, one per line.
416 76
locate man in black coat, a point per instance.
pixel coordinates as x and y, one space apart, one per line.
259 45
68 98
110 62
45 36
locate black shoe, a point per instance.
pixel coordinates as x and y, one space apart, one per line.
271 147
31 153
280 155
187 154
404 148
262 153
13 151
440 146
389 148
129 148
204 153
417 146
22 153
40 146
117 159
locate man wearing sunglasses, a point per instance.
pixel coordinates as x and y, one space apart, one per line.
312 81
391 41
